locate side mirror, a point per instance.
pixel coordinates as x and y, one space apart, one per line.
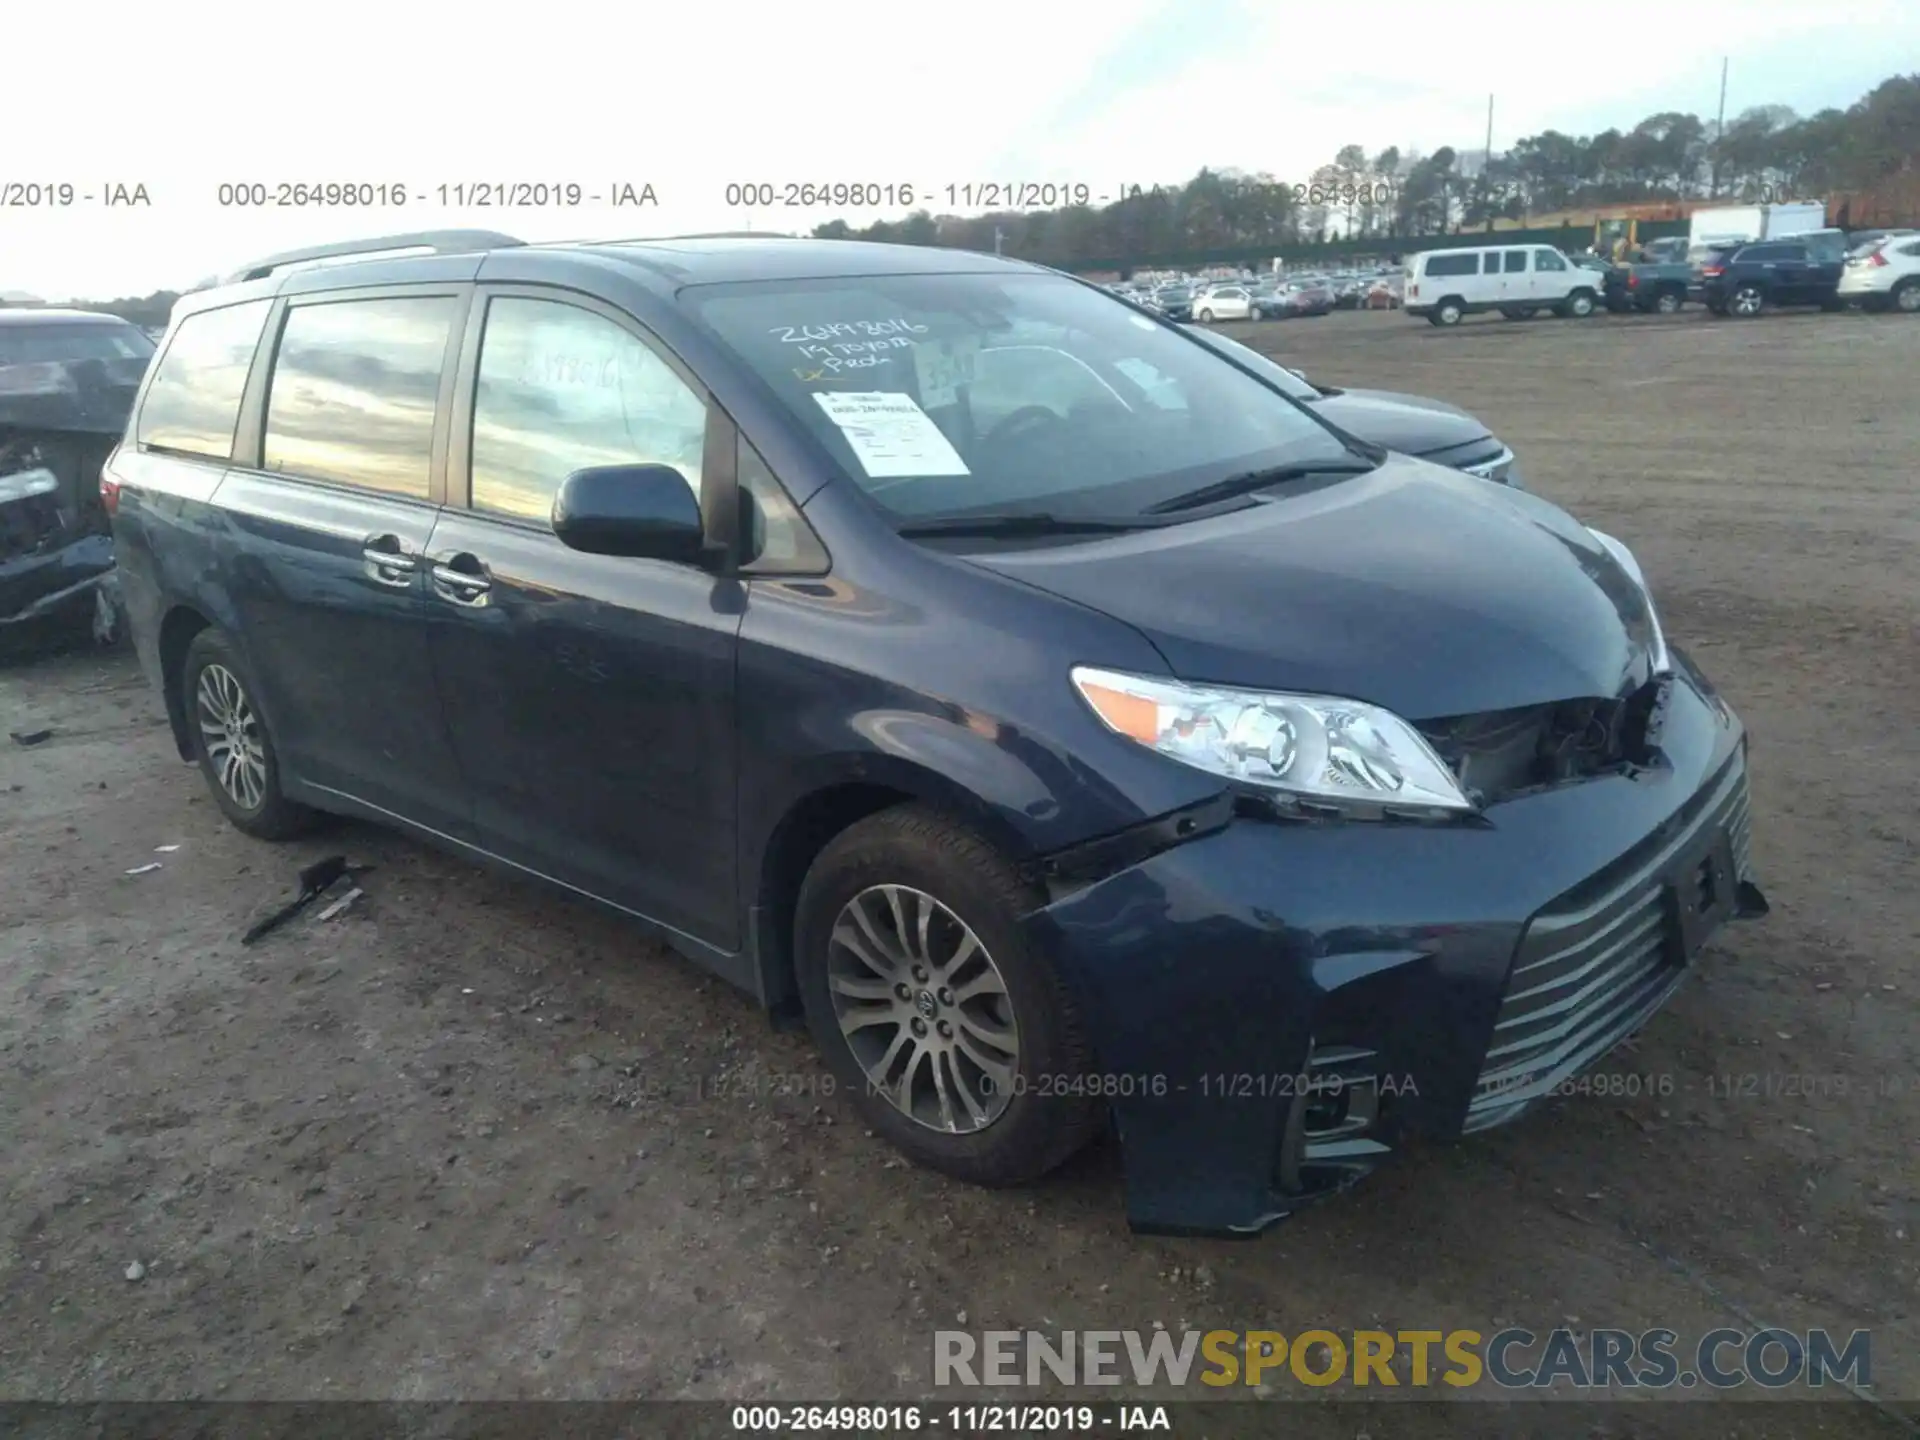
644 511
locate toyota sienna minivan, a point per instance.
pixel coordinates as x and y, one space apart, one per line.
1079 732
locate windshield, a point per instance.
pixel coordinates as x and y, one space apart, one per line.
944 394
1264 366
38 344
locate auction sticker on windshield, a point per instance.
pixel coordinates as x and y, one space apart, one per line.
942 367
891 436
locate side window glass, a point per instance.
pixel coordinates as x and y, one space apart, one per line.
562 389
193 403
355 383
1548 260
1490 263
1516 262
777 537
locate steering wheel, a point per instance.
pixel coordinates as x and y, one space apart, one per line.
1027 417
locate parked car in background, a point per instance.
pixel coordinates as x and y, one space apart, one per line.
1295 300
67 382
1223 302
1444 286
1775 273
1886 277
1065 705
1429 429
1174 301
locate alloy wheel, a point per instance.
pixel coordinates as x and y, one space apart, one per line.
230 731
923 1009
1907 297
1746 301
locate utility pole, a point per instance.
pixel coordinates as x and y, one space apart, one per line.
998 236
1486 163
1719 132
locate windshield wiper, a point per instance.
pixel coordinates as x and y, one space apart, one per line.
1253 480
1025 522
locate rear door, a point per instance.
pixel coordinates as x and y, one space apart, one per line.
591 697
1795 280
1516 276
1491 284
328 509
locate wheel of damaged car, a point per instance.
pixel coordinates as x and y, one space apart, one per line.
231 743
1668 302
955 1036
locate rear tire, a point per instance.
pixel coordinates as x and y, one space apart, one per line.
1669 302
922 1086
1449 313
1747 302
232 745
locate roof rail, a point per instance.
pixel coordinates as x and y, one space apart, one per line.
434 242
662 239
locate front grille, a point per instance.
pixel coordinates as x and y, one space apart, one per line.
1495 469
1593 970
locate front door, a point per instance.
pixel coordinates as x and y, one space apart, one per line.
590 697
324 539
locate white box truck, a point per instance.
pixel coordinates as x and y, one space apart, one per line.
1744 223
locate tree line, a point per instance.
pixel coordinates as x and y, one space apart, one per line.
1766 152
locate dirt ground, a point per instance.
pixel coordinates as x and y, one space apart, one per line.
473 1140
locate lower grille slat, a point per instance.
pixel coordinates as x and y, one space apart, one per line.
1593 968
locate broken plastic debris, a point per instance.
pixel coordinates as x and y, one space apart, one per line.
143 869
165 849
342 903
30 737
315 880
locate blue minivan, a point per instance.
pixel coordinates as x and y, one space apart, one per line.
1076 730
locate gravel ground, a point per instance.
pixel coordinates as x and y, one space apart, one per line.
473 1140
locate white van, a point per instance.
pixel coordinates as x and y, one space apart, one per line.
1516 280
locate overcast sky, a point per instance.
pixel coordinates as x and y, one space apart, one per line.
687 98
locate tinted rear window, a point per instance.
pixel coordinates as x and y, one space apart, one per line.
35 344
355 383
193 403
1467 264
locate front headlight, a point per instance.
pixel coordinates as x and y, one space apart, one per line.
1304 751
1662 660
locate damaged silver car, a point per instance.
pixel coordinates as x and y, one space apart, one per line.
67 382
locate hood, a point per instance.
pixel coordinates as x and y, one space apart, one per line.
1413 587
1407 423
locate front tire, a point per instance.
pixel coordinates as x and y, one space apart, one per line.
1206 317
956 1039
232 745
1579 305
1906 297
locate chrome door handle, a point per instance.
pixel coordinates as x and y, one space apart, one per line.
388 562
461 579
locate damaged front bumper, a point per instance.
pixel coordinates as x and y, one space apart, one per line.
52 586
1276 1009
